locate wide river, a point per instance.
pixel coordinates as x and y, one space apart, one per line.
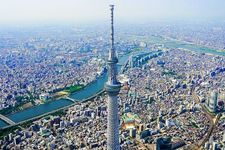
97 85
83 94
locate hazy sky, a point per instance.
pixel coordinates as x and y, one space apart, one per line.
26 11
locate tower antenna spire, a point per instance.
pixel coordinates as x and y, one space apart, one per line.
112 87
112 27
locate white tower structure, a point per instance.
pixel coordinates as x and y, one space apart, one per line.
112 87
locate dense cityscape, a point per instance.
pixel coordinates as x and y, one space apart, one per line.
61 85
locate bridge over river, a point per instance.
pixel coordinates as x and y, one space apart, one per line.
7 120
89 92
71 99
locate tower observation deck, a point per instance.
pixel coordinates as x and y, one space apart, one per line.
112 88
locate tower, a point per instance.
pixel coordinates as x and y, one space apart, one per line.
112 88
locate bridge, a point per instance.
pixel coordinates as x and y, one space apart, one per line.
7 120
71 99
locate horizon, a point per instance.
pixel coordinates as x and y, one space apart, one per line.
82 75
26 12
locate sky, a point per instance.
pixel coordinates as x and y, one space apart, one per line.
40 11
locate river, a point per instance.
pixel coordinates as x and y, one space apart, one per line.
2 124
97 85
84 93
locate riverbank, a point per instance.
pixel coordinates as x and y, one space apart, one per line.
26 105
176 44
67 91
26 123
84 94
11 129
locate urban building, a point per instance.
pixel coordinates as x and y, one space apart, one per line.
212 103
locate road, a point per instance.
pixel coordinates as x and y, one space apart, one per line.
210 118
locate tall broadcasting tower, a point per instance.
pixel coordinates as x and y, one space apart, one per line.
112 87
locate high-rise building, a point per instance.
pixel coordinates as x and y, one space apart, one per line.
213 101
131 62
148 82
133 132
214 146
163 143
141 128
224 137
112 87
159 120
